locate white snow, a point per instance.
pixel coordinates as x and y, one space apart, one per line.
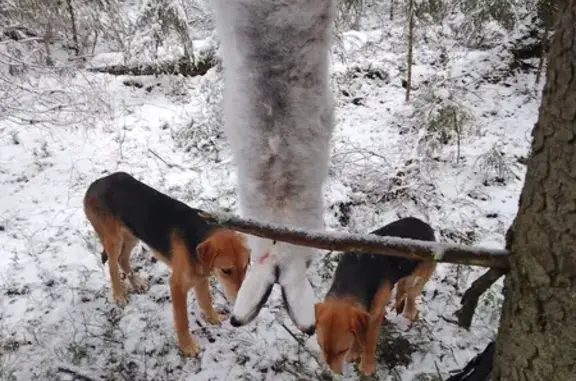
55 308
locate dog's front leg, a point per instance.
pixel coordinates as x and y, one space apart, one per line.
379 302
179 291
204 298
367 365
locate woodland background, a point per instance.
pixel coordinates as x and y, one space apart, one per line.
88 87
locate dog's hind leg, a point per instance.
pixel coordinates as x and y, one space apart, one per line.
400 295
113 244
415 284
109 231
138 284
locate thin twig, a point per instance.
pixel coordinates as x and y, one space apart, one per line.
301 343
170 165
324 370
372 244
471 296
74 374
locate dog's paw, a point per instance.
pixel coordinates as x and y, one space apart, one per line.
411 315
353 357
399 306
213 318
138 284
367 368
120 298
189 348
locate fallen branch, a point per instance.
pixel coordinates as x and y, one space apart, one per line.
17 33
362 243
472 295
73 373
183 66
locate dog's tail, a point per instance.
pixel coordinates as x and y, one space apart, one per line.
104 256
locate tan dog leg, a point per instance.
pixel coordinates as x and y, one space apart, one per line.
179 292
138 284
113 247
415 285
354 354
204 298
400 295
367 363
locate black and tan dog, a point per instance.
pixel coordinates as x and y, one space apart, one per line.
348 320
123 211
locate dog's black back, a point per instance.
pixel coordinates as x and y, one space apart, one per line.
150 215
361 275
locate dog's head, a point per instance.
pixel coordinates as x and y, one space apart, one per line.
338 326
225 254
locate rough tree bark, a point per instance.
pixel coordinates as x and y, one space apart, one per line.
537 335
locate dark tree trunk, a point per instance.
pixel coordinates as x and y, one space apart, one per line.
74 28
537 336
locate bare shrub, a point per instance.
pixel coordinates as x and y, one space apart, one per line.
57 95
383 179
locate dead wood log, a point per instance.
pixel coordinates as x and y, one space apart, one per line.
183 66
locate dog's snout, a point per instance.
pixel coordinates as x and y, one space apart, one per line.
335 365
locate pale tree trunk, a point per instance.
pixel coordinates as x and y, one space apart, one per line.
537 335
410 48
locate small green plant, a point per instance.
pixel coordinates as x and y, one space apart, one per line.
494 164
446 121
77 352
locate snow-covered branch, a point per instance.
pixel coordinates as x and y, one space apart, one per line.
366 243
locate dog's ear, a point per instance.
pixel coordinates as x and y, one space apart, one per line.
206 254
359 324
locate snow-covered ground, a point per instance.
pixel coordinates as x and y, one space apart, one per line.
56 317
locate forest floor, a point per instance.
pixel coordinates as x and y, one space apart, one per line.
454 156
